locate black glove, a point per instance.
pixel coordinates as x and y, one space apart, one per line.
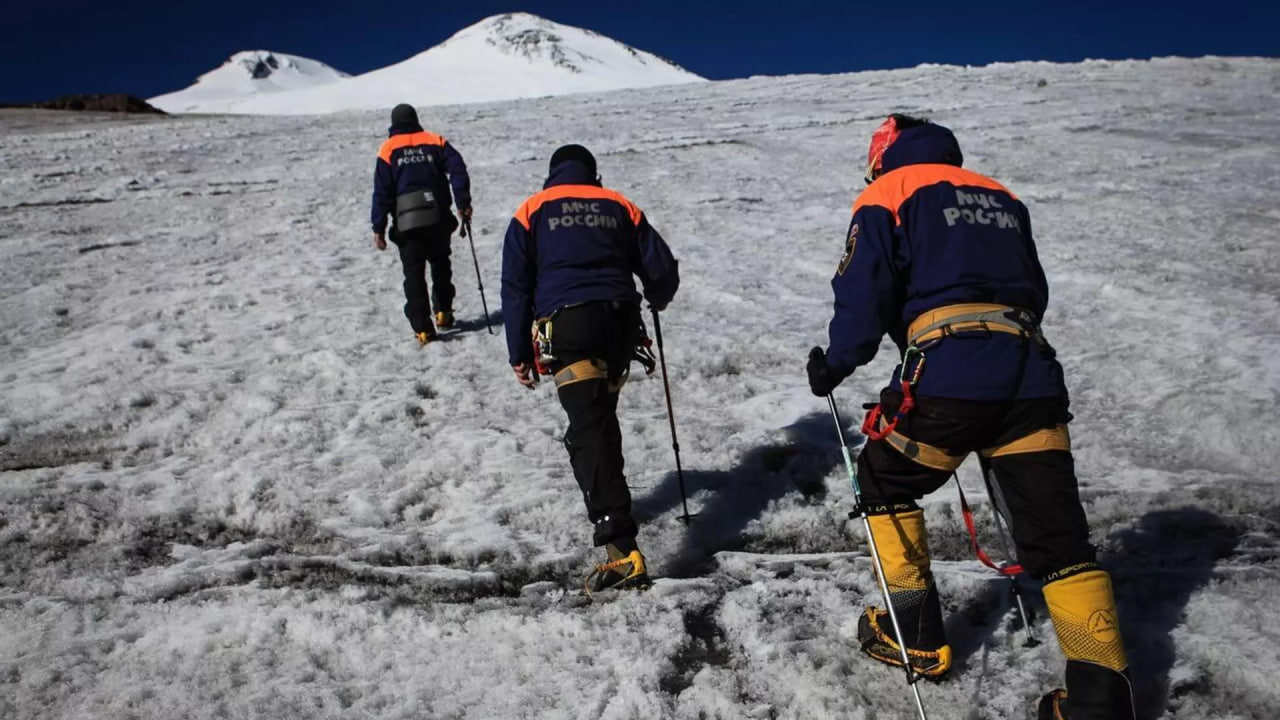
821 380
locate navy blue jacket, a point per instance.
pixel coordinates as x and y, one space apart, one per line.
413 159
577 242
926 234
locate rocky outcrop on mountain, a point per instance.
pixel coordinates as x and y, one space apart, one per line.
100 102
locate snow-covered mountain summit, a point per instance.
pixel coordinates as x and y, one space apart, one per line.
515 55
573 49
246 74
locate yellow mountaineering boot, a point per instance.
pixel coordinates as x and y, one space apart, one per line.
1097 693
904 552
444 320
1083 610
622 571
875 635
424 338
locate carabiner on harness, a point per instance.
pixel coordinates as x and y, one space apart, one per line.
643 353
543 353
908 376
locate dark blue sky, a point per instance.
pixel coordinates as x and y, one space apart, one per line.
148 47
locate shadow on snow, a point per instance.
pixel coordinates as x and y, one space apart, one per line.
729 501
1157 565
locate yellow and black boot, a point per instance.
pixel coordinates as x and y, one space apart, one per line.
1083 610
624 570
903 544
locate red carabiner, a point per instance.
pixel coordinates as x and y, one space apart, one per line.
904 409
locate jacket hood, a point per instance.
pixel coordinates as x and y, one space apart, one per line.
571 172
404 113
403 129
924 144
565 153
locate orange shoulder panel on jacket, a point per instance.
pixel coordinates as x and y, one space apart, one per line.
893 188
585 192
395 142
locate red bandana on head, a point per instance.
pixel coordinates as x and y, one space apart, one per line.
881 139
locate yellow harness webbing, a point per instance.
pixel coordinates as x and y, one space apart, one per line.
932 456
591 369
949 320
580 371
970 317
1054 438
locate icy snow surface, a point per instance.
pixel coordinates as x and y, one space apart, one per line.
234 487
516 55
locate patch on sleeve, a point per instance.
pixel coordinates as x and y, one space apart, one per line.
849 244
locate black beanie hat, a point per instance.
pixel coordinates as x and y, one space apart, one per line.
403 114
574 152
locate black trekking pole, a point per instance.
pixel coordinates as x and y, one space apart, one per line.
860 510
671 418
467 232
1001 510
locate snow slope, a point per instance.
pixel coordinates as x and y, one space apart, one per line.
233 487
248 74
515 55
